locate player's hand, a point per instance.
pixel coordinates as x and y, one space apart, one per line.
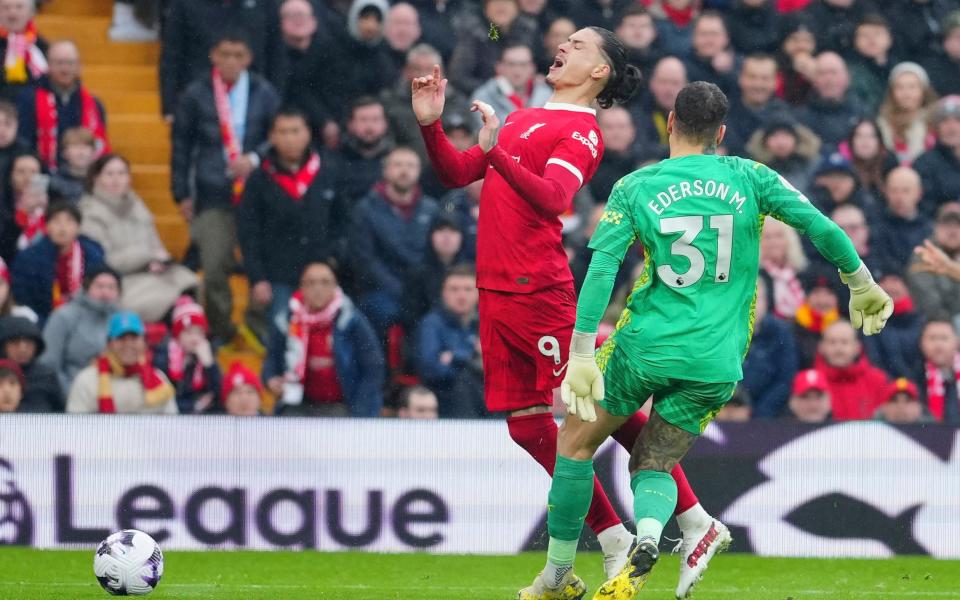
487 137
429 95
582 386
870 306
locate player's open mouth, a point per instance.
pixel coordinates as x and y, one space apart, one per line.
558 61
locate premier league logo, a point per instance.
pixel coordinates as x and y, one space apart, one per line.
16 519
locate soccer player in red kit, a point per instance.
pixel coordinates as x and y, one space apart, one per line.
531 173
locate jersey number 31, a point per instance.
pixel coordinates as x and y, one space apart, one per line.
683 246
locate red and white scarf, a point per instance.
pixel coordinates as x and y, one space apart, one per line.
73 276
32 226
787 292
302 321
937 387
24 59
296 184
155 390
232 145
48 124
176 366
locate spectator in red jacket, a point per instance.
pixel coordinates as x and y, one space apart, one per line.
856 386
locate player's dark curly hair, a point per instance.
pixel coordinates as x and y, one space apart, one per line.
624 80
700 110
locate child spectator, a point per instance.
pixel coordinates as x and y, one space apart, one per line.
122 380
11 387
188 360
901 404
895 348
788 148
50 272
856 386
810 401
782 257
771 361
418 402
79 152
333 364
116 218
21 342
940 378
77 332
242 392
23 49
903 114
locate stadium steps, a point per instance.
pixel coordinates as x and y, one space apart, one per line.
124 76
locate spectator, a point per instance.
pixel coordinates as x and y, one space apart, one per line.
116 218
556 33
651 112
870 62
788 148
476 52
771 362
829 112
58 103
291 214
29 201
853 222
871 160
242 392
222 120
835 184
7 305
22 343
834 22
23 48
639 35
937 296
364 147
901 228
599 13
673 20
795 59
10 145
388 238
333 365
754 26
122 380
940 379
738 409
193 26
711 57
423 286
810 401
943 65
820 309
920 23
134 21
188 361
437 23
903 114
895 348
939 167
619 155
50 272
901 404
855 385
77 332
448 348
782 257
756 103
515 86
401 30
79 152
931 259
12 385
464 205
371 68
418 402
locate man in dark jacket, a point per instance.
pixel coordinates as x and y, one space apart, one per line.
711 58
756 105
835 21
943 65
222 120
366 143
871 61
639 34
388 237
423 286
21 342
191 28
619 155
830 114
651 111
920 23
895 348
754 26
939 167
771 363
901 227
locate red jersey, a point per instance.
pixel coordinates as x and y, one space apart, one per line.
542 158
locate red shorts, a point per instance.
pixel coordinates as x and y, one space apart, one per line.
525 339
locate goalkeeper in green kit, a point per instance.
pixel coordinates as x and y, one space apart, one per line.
686 328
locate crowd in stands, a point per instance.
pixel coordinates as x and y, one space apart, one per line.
297 161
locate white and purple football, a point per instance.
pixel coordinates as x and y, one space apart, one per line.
128 563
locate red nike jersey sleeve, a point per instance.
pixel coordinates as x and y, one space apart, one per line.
579 150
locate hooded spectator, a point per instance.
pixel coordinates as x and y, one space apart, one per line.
711 57
754 26
939 167
12 385
23 48
819 309
115 217
651 111
242 392
943 65
940 373
22 343
187 359
782 257
796 60
371 66
938 296
755 105
901 227
810 400
835 21
364 147
895 348
418 402
50 272
870 158
77 332
122 380
903 114
901 404
856 386
770 364
788 148
619 152
515 86
424 285
870 61
830 113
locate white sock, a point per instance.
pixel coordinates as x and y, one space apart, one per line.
649 528
553 575
694 518
612 539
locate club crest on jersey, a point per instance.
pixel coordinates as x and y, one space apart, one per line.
526 134
589 142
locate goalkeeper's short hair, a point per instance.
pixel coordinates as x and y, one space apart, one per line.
700 110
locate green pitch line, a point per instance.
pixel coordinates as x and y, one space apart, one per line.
34 574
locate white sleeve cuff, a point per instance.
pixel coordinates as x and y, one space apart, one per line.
562 163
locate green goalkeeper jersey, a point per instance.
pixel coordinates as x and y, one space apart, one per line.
699 218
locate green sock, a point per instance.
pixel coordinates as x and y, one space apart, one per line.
570 495
654 499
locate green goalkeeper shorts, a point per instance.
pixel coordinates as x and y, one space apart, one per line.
689 405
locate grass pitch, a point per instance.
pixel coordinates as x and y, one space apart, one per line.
35 574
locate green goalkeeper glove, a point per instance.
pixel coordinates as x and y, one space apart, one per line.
870 306
582 387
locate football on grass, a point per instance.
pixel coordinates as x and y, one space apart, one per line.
128 563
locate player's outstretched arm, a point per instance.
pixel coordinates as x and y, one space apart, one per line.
454 168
